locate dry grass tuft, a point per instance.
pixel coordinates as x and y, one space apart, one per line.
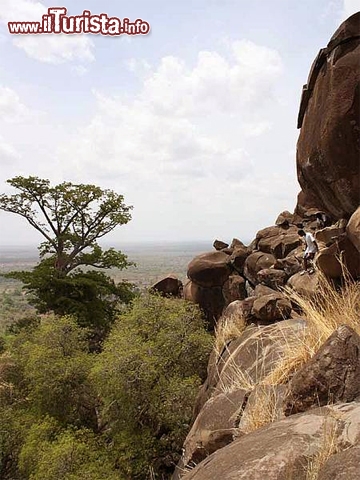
235 378
328 447
325 311
228 328
263 409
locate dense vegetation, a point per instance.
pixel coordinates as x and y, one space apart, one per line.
72 218
96 383
67 413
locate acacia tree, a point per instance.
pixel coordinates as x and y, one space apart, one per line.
71 218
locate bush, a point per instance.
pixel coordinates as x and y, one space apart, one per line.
50 369
148 377
67 455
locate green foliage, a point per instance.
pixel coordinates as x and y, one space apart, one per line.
72 218
68 414
68 455
52 368
148 377
14 424
92 297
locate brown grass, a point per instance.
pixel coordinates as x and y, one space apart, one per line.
262 411
324 312
235 378
328 447
228 328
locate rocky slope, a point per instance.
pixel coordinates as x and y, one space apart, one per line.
306 425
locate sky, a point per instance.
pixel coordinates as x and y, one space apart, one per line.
194 123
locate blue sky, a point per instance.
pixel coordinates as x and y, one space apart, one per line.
194 123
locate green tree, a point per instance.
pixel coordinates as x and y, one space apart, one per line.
148 376
64 455
48 365
71 218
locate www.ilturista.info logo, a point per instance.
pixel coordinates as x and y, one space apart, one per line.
56 21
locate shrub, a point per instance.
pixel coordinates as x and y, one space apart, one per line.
148 377
64 455
50 369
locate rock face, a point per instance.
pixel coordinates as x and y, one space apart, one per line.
209 269
342 466
284 449
353 229
240 429
271 307
328 149
168 286
332 375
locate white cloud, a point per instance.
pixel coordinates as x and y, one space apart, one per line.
185 122
44 48
79 70
7 152
12 110
182 148
350 7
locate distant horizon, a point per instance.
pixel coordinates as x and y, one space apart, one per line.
126 244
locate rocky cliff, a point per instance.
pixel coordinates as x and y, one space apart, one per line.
281 400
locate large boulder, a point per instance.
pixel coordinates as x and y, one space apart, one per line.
353 229
307 284
214 428
209 269
220 245
234 289
328 262
327 236
248 359
332 375
328 149
287 448
279 241
284 218
238 257
255 262
241 308
270 308
272 277
342 466
210 300
168 286
332 260
264 405
292 263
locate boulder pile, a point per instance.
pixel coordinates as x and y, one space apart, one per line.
229 276
254 420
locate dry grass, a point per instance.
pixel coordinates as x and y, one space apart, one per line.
324 312
328 447
236 378
228 329
262 411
